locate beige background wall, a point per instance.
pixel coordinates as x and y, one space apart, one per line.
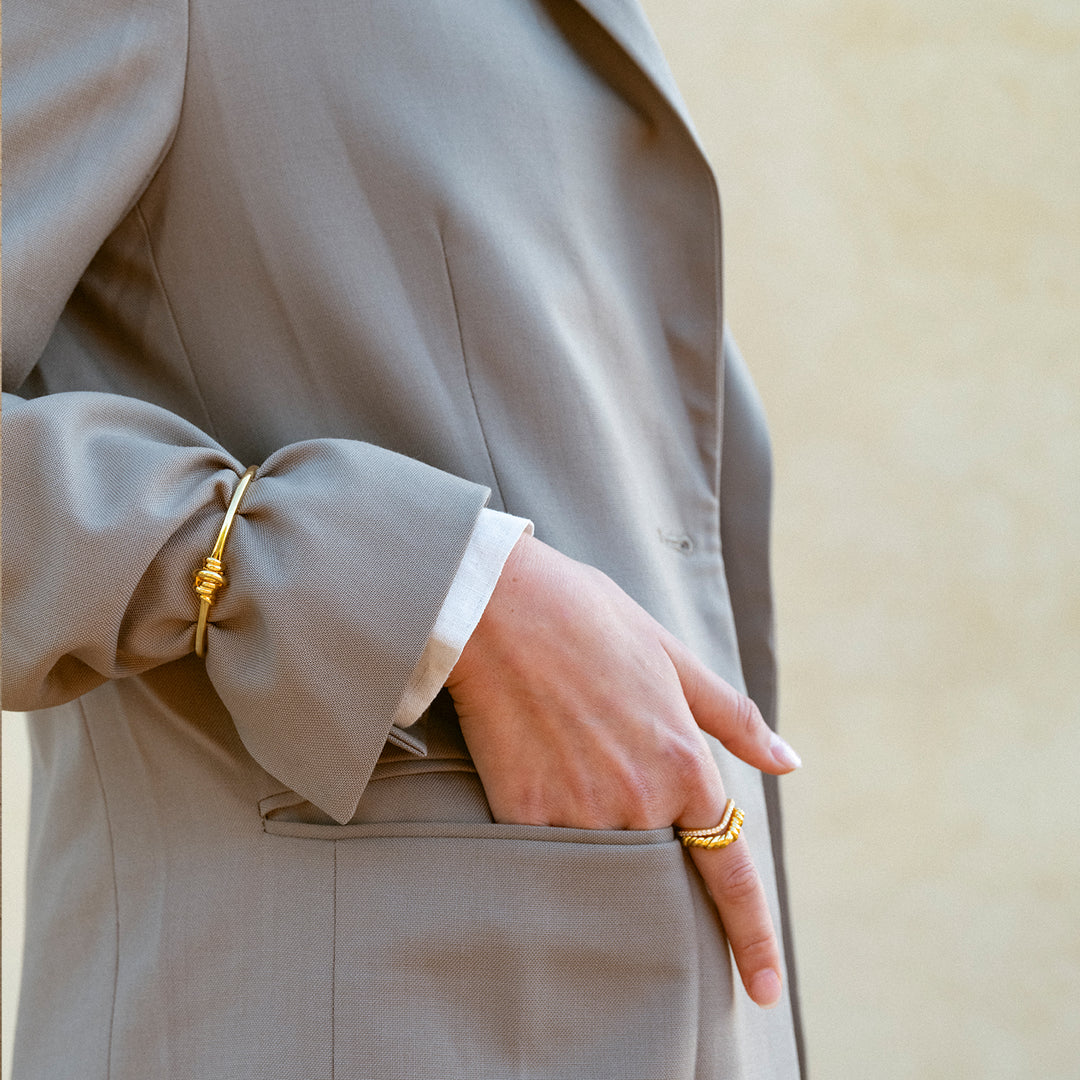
901 186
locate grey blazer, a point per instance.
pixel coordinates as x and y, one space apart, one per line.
405 258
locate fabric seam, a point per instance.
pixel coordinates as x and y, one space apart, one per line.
333 977
693 912
159 280
144 225
468 376
116 889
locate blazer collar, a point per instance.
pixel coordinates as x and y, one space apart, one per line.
625 23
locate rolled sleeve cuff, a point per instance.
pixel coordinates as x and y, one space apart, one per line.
493 538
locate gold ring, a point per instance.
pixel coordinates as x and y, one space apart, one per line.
725 832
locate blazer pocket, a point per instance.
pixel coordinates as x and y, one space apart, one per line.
513 951
509 950
289 814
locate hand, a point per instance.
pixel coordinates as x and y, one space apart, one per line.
580 710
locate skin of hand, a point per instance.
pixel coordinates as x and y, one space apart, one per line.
592 718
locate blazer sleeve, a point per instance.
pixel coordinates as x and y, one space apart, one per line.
344 551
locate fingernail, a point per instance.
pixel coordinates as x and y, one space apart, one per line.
783 753
765 988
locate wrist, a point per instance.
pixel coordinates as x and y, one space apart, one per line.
504 608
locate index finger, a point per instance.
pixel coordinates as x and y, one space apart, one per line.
729 716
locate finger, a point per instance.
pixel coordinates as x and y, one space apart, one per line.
736 889
728 715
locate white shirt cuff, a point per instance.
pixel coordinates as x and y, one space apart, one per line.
493 538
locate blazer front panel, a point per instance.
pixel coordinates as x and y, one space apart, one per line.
486 241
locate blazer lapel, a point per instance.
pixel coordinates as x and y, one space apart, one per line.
625 23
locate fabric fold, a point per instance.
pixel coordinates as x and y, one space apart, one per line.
337 566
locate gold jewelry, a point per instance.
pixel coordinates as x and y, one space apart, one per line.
211 575
729 809
720 835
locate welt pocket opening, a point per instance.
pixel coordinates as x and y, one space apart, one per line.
469 830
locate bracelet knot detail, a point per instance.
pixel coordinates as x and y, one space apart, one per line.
210 577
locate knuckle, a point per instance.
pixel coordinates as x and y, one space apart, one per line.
703 795
758 950
738 879
649 800
591 819
587 807
529 808
689 759
642 819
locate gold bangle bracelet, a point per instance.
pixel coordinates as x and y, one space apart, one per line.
211 575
